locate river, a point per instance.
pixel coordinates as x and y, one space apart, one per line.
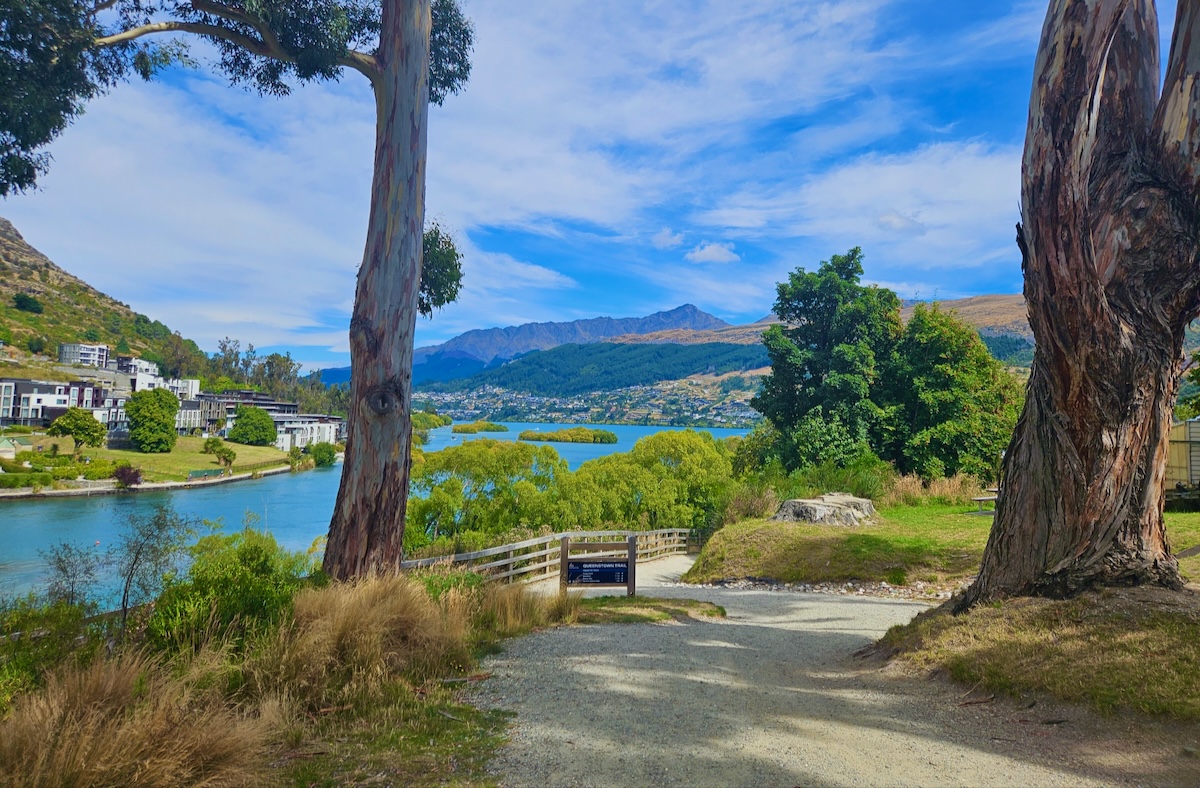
295 507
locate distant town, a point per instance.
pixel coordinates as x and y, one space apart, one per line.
680 403
105 382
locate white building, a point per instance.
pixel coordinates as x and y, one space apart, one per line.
300 430
184 388
130 365
87 355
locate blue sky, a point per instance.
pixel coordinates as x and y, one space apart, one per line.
611 158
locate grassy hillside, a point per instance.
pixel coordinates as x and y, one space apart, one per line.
578 369
72 310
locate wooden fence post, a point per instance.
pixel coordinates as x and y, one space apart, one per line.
632 550
563 554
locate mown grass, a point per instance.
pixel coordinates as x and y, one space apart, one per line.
1114 649
929 543
643 610
933 543
175 465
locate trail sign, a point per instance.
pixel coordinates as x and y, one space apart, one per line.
596 569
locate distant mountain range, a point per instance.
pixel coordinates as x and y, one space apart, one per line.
475 351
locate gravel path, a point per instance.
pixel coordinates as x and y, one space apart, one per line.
768 697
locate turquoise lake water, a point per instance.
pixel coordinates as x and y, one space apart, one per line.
295 507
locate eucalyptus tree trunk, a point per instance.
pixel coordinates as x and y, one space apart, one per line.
367 530
1109 243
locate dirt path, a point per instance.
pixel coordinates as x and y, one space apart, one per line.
771 697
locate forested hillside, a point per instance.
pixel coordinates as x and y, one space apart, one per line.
576 369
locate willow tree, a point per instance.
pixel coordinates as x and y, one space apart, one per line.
57 54
1110 233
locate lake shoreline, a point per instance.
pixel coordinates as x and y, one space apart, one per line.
88 492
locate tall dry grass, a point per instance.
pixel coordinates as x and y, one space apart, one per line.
912 491
345 642
128 721
348 640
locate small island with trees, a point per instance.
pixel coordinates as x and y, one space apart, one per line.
570 435
477 427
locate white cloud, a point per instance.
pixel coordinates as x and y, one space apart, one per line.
709 252
665 239
944 205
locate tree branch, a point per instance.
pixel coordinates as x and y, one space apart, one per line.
361 62
233 15
245 42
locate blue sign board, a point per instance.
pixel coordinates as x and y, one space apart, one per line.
597 572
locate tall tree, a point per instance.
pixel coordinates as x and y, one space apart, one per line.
1109 239
832 360
411 51
151 414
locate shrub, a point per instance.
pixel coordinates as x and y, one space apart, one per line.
127 476
15 481
24 658
236 584
35 345
27 303
323 454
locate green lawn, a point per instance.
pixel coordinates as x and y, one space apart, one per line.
187 456
927 543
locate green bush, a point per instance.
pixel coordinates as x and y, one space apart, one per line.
323 454
237 584
438 582
14 481
27 303
62 635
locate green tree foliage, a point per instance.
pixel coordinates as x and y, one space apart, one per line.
958 404
212 444
123 346
49 68
151 414
835 354
81 426
570 435
35 345
441 270
253 427
488 487
57 54
483 485
323 454
848 381
91 335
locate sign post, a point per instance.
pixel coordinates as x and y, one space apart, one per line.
591 571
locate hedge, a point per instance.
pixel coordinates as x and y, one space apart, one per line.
12 481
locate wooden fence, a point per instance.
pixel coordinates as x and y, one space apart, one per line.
537 559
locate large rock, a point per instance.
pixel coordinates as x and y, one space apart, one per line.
828 509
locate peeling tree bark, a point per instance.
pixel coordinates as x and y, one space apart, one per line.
367 530
1109 243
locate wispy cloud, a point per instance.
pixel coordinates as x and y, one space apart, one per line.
665 239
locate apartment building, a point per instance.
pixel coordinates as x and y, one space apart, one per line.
80 353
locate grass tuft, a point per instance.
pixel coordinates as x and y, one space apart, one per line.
128 721
1114 649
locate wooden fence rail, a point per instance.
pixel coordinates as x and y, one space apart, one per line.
537 559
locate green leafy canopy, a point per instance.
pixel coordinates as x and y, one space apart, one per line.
55 55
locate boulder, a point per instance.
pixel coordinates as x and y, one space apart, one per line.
828 509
